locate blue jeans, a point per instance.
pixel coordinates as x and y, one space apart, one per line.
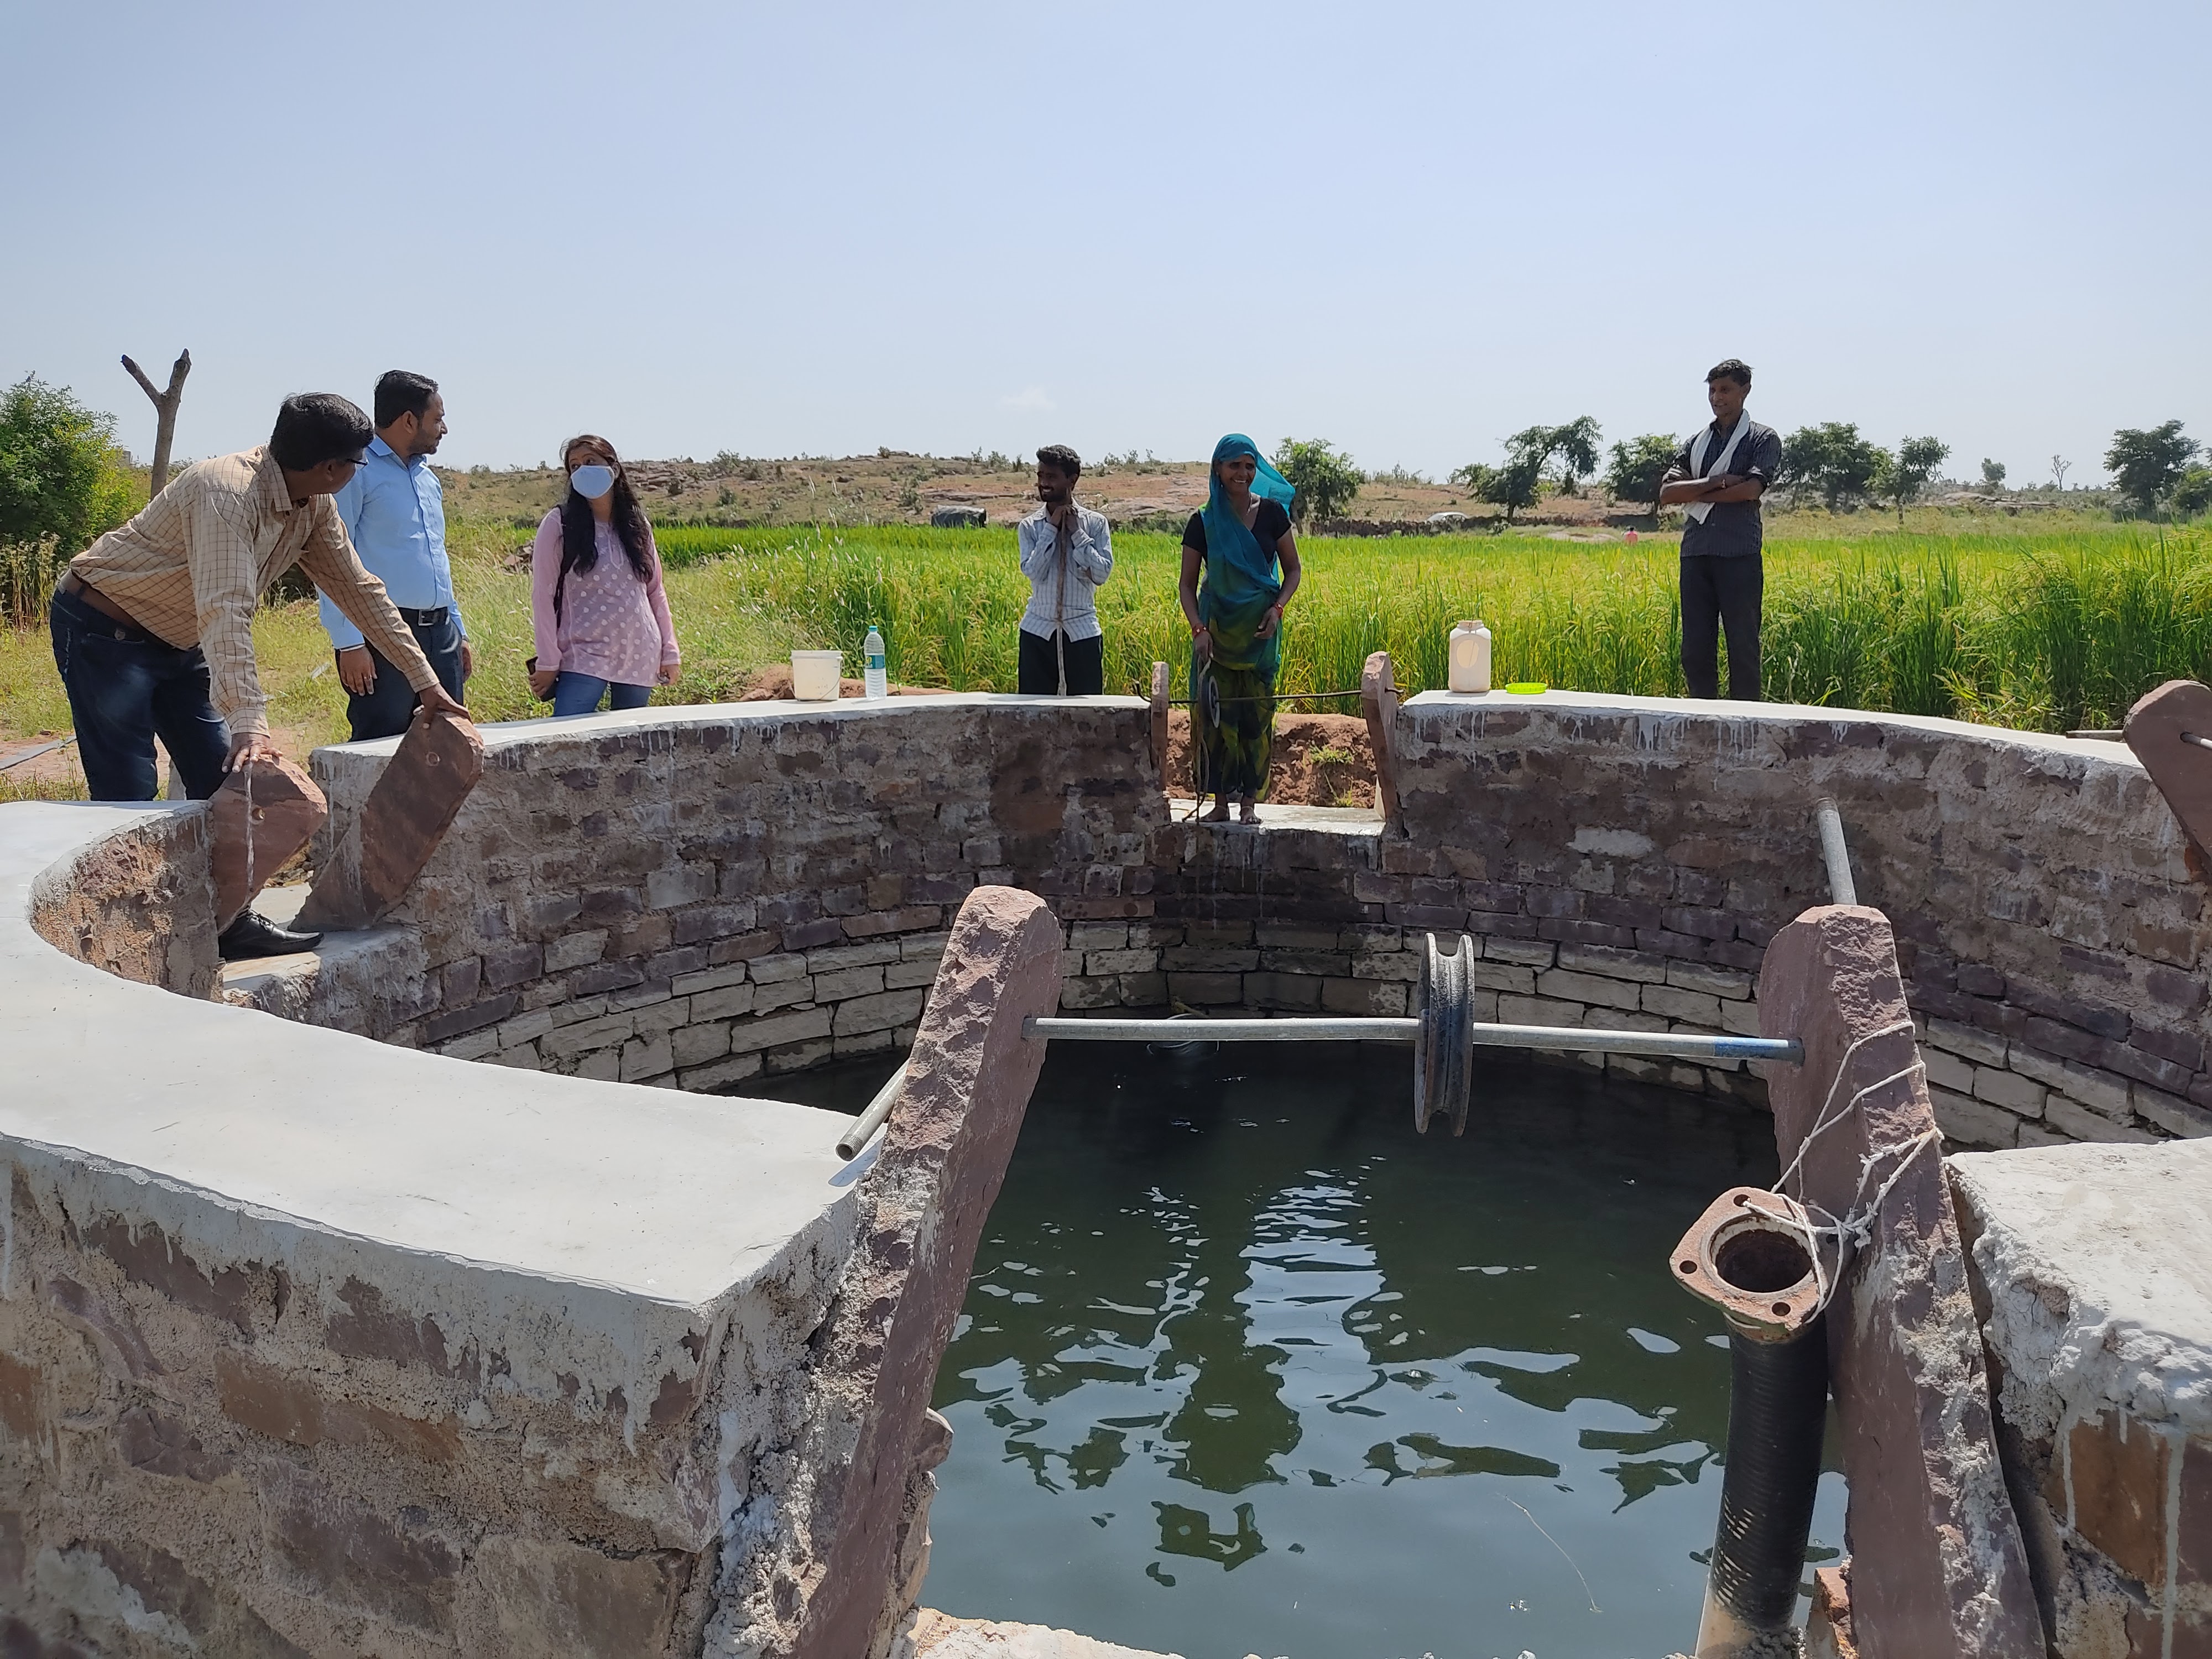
580 693
125 685
389 704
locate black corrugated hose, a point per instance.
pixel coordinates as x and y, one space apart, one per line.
1777 1411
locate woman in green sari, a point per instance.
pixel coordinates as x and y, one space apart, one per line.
1236 617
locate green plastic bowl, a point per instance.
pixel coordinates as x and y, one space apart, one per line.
1528 688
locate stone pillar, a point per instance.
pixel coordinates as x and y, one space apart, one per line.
1937 1565
1378 700
381 850
942 1158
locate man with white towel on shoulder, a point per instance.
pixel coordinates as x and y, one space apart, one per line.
1718 478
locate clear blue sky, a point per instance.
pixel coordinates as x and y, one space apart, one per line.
1410 228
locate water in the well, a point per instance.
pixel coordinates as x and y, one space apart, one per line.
1248 1367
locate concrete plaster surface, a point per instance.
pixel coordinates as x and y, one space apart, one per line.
512 734
1352 820
1431 704
932 1635
607 1214
2097 1264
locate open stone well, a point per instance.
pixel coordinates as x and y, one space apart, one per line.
313 1339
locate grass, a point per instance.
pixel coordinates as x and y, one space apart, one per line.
2052 630
2042 627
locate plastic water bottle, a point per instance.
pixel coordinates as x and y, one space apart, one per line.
1467 657
877 683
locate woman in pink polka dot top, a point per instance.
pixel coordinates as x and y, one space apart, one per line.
597 605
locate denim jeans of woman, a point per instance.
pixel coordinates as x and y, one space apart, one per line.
580 693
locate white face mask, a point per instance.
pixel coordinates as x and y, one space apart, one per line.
591 482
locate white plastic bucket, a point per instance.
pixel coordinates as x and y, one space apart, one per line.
814 675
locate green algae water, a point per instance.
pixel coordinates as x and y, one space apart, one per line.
1246 1367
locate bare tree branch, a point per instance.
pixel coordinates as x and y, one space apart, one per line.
165 416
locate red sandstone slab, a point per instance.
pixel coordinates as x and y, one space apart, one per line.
2183 772
1937 1561
922 1211
1378 700
1162 682
263 815
399 825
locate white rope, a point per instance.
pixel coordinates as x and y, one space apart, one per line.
1854 1230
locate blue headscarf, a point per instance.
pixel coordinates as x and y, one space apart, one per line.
1238 569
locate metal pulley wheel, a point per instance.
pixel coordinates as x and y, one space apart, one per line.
1443 1048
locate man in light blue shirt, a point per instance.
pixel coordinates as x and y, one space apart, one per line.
395 512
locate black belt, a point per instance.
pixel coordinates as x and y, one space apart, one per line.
433 618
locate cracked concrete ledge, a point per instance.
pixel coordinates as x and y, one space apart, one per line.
2093 1282
2098 1263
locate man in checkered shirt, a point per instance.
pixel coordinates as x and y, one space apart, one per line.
153 624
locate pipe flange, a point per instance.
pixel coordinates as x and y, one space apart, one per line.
1750 1256
1444 1047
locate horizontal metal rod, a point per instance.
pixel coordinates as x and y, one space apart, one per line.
2202 742
1346 1029
1275 697
32 754
1685 1045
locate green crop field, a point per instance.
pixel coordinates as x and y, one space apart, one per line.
2051 628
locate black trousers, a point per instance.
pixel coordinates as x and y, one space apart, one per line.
389 704
1039 666
1717 593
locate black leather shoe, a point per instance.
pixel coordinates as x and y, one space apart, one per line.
253 936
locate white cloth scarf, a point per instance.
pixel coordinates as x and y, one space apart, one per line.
1698 509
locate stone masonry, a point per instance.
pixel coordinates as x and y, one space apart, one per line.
693 898
304 1350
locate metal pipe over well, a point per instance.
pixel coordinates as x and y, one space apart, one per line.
1841 889
1686 1045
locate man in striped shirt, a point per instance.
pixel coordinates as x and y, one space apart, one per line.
153 624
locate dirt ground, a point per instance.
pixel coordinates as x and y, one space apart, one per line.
59 774
1319 760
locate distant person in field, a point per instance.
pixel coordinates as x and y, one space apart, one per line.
395 511
153 623
597 605
1233 596
1718 478
1067 553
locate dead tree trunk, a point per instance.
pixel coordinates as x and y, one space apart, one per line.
164 417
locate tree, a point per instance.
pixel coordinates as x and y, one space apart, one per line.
2192 493
1325 478
1638 465
1512 486
1993 474
2146 465
57 473
2058 465
164 417
1575 445
61 484
1832 460
1901 478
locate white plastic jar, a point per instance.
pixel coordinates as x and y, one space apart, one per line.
1468 658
